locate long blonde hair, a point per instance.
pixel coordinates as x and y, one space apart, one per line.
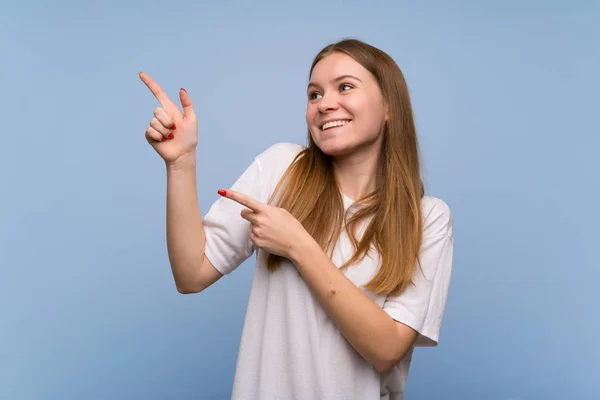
308 189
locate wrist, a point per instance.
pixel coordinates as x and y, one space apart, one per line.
301 248
182 163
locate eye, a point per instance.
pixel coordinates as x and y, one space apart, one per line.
344 87
313 95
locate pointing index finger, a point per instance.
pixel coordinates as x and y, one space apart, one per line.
242 199
159 93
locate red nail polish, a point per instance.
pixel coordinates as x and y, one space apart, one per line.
173 127
171 136
163 139
222 192
184 90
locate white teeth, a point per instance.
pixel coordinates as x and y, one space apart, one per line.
334 123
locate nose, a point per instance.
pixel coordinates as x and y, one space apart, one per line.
327 103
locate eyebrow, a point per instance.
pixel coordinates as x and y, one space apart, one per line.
339 78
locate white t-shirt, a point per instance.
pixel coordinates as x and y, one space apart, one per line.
290 348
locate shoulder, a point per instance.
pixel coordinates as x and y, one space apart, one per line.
274 161
279 154
277 158
437 217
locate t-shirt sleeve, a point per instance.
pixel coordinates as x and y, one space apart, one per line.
421 305
227 233
227 241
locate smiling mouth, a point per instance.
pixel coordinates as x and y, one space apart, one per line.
334 124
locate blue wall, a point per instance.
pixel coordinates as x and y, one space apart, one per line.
506 102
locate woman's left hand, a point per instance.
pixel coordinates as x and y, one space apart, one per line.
272 229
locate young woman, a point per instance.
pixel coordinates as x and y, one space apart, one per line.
353 261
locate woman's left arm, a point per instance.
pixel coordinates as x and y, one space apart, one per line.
370 330
374 334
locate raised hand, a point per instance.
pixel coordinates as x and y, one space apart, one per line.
172 133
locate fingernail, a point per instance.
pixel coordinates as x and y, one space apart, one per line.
184 90
163 139
222 192
173 127
171 136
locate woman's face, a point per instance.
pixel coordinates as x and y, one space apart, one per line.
346 112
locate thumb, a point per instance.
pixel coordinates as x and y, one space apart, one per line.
187 104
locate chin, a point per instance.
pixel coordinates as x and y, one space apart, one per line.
341 146
334 147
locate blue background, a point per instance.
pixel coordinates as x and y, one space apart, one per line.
506 104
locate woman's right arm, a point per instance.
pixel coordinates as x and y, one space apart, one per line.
174 136
186 240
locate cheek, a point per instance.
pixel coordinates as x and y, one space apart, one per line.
369 119
310 114
359 106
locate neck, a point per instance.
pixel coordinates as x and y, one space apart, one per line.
356 173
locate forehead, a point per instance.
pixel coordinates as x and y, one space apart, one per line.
335 65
